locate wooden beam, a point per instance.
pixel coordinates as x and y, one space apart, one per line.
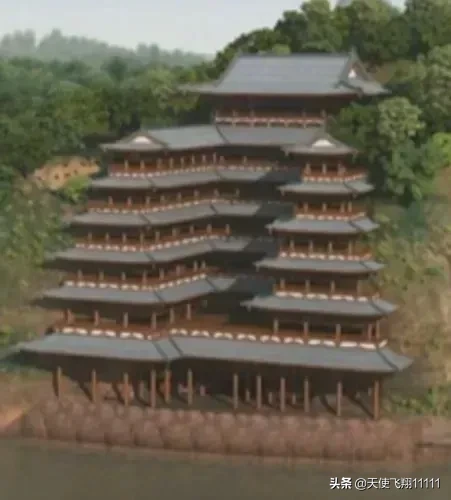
258 391
93 386
189 383
306 394
235 391
376 399
339 397
282 395
126 389
153 388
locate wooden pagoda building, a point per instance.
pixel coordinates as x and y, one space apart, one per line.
230 259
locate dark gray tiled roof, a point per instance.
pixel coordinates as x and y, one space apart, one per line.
321 265
122 183
378 361
265 246
102 295
328 188
202 136
187 179
110 219
179 215
100 347
237 209
295 74
324 226
383 360
182 251
369 309
167 295
100 256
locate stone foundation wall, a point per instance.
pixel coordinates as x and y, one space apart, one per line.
223 433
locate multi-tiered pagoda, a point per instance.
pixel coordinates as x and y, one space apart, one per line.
230 260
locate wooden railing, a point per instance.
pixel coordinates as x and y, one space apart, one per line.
150 240
317 176
269 118
333 212
144 281
332 289
308 250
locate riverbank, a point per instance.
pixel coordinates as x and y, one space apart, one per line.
271 436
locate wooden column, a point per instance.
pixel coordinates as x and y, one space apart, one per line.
275 326
235 390
126 389
378 331
339 397
125 320
188 311
57 381
247 391
337 333
376 399
258 391
189 383
305 330
282 395
153 388
306 394
144 278
96 317
93 386
167 385
153 321
171 315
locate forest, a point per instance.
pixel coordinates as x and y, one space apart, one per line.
60 102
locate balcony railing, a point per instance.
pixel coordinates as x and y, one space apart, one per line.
269 118
335 213
334 289
149 242
325 253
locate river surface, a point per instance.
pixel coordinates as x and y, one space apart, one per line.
34 471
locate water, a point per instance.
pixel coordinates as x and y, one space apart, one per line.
31 471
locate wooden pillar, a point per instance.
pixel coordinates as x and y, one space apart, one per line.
93 386
144 278
125 320
153 321
306 394
68 317
332 286
358 288
153 388
258 391
189 383
339 397
167 385
376 399
188 311
307 286
378 331
337 333
57 381
247 391
235 390
282 283
126 389
171 315
96 317
305 330
275 326
282 395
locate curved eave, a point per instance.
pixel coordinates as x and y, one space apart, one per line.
315 226
371 309
324 266
356 188
382 361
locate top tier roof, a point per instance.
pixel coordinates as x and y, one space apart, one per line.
290 75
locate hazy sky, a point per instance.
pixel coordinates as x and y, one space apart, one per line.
194 25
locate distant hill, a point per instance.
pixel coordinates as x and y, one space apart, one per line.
56 46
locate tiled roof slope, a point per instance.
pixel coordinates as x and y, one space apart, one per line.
294 74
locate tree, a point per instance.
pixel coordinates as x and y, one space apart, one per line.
429 22
441 141
373 29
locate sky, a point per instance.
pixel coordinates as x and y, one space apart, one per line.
203 26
